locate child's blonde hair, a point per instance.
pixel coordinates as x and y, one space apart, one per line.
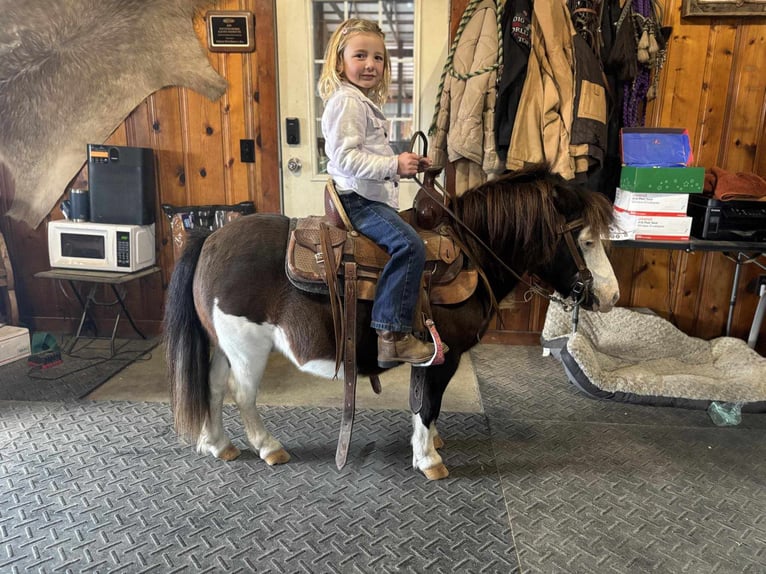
331 79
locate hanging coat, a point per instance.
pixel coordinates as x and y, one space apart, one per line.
463 126
544 118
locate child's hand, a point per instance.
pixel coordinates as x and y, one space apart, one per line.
409 164
424 163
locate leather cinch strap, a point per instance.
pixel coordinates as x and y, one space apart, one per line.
349 366
331 278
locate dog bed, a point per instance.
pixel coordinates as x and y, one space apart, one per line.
638 357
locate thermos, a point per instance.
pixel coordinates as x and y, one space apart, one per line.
79 205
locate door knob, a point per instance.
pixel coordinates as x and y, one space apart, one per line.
294 164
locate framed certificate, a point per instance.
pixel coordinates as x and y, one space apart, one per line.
723 8
230 31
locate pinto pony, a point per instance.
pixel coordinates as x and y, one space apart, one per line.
230 304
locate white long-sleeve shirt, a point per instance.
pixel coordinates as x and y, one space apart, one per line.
356 143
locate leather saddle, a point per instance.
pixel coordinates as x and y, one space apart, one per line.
448 277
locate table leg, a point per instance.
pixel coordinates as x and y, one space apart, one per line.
85 306
733 298
755 327
127 314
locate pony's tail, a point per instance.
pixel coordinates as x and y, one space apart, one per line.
187 348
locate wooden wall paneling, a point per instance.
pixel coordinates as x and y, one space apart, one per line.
233 125
203 145
652 281
686 301
759 165
748 86
237 125
712 113
622 259
681 86
168 142
714 295
36 296
264 98
203 135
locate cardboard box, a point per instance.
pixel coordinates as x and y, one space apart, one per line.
14 344
662 179
661 228
655 147
639 203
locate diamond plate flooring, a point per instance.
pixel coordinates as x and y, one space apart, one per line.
105 487
544 480
599 486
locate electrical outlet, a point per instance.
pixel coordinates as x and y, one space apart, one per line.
247 151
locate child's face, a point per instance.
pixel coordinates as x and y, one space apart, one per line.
363 60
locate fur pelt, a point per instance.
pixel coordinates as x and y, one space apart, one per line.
72 70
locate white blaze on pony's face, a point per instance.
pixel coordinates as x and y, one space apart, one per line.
606 290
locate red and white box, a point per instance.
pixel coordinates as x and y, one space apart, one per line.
666 227
14 343
640 203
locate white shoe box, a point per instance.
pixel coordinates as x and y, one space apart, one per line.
14 343
640 203
657 227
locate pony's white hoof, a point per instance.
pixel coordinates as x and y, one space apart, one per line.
229 453
438 442
436 472
277 457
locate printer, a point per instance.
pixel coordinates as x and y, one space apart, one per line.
732 220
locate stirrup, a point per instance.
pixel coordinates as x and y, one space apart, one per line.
439 346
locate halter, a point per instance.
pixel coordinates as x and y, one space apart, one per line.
584 276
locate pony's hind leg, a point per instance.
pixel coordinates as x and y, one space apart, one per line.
244 387
247 347
213 438
424 444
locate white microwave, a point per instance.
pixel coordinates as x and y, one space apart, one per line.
100 246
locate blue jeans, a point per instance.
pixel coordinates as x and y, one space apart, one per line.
396 294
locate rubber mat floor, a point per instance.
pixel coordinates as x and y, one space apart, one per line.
544 480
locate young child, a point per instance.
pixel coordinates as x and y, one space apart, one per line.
354 86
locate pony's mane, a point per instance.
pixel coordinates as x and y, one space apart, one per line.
525 208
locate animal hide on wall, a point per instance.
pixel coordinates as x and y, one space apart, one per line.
72 70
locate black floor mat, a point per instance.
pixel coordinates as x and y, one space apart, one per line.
85 368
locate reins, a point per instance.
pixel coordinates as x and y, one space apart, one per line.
584 275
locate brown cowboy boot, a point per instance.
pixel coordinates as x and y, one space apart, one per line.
395 348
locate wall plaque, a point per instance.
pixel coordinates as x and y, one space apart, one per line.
230 31
723 8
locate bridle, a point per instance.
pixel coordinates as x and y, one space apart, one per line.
584 278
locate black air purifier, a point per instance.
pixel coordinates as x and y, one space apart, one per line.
122 184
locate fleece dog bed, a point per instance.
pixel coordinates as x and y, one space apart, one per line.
636 357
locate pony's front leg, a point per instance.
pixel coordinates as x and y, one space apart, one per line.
425 441
213 438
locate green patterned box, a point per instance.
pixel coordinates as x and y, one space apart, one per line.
662 179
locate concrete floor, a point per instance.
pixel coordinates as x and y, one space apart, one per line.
284 385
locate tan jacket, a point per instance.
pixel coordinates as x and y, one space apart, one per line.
463 125
542 131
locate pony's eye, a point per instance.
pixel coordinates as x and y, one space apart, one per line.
588 243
